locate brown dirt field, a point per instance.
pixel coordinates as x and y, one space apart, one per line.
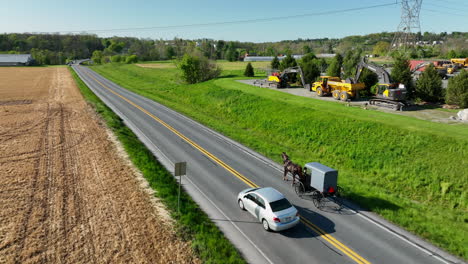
67 193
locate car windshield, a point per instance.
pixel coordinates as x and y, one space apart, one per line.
280 205
252 190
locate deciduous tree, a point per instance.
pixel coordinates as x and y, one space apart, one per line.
197 68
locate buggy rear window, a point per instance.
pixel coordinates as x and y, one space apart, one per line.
280 205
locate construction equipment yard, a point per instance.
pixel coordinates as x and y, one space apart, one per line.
69 193
425 114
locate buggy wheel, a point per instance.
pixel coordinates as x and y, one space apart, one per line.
299 188
317 198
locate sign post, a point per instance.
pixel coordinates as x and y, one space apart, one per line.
179 170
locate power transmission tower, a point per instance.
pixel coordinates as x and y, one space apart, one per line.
406 35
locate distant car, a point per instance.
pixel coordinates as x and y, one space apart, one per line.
270 207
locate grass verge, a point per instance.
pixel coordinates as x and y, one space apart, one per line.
412 172
193 224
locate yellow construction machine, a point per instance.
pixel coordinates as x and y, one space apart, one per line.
460 62
457 64
339 89
389 93
283 79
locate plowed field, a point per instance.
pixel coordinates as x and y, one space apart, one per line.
67 193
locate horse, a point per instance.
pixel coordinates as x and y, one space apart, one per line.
291 167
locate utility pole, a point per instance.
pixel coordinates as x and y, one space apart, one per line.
406 35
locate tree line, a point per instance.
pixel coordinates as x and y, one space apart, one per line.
58 49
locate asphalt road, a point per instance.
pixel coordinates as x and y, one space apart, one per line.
218 168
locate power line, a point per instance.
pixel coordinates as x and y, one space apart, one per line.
442 12
446 7
234 21
453 2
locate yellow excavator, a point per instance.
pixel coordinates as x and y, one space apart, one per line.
283 79
389 93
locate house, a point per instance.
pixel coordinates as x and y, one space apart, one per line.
16 60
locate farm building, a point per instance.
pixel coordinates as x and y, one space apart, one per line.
270 58
16 60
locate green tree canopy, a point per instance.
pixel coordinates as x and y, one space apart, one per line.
368 78
381 48
287 62
310 67
275 63
97 56
249 70
457 90
197 68
429 85
350 62
335 66
306 49
401 73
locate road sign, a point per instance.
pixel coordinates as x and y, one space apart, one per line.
180 168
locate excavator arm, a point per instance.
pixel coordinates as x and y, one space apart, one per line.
296 69
383 75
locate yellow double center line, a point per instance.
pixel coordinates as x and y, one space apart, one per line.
337 244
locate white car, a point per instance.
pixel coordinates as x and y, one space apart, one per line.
270 207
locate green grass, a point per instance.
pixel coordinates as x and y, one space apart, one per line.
193 224
410 171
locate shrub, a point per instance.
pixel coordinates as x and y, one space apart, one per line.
249 70
197 68
429 86
131 59
457 90
105 59
116 58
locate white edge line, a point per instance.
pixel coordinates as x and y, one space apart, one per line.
269 162
168 164
230 221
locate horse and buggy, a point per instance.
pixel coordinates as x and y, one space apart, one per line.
316 180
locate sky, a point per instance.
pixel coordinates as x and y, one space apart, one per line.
283 20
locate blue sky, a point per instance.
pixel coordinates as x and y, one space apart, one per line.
83 15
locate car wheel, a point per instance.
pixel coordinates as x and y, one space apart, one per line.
265 225
241 204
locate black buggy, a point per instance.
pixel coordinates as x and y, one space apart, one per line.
320 182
